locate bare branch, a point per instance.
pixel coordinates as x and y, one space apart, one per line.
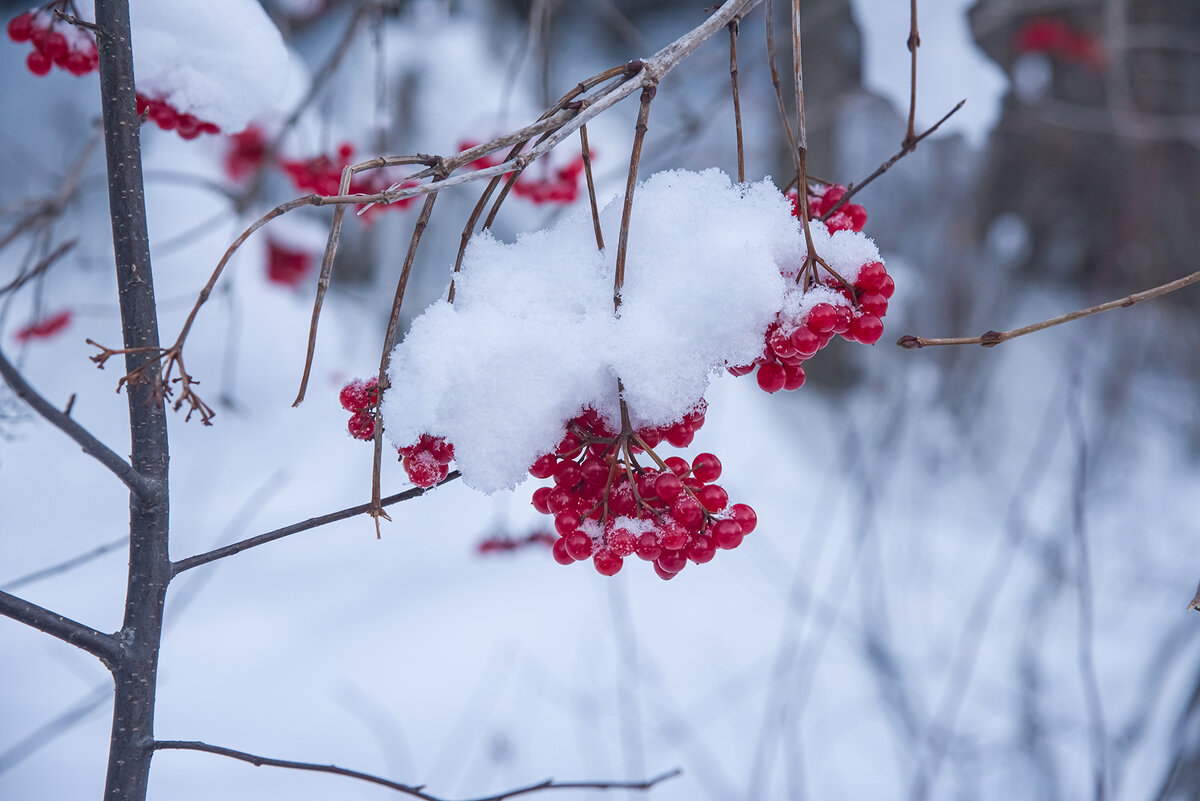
416 791
66 565
104 647
905 149
990 339
635 158
914 41
737 102
137 483
296 528
1195 604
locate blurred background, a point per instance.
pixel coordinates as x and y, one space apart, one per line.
972 566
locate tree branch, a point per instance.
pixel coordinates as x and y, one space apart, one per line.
990 339
416 791
104 647
137 483
296 528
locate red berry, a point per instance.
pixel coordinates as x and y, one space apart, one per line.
673 538
578 544
544 466
54 45
620 499
668 487
621 542
567 474
805 341
713 497
867 329
361 425
771 377
793 377
20 27
607 563
727 534
873 303
702 550
888 288
38 63
677 465
822 318
744 516
680 435
871 276
688 512
844 317
672 561
559 550
566 521
422 470
540 497
646 485
648 547
706 467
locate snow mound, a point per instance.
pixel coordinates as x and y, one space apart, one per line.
531 338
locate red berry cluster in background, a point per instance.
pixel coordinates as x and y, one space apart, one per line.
505 544
56 43
45 327
822 199
287 265
427 461
248 150
322 175
1057 37
607 507
169 118
561 187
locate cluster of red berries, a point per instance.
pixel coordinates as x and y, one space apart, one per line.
361 399
1058 38
54 45
286 265
169 118
607 507
856 315
45 327
561 187
822 199
427 462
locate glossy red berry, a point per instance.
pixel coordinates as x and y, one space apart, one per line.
578 545
706 467
38 63
20 27
744 516
713 497
771 377
727 534
607 563
559 550
361 425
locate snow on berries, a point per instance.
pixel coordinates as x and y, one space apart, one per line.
56 43
427 461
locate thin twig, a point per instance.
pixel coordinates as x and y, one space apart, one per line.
416 791
914 41
635 158
990 339
591 185
42 266
1195 604
737 102
775 82
296 528
905 149
66 565
385 358
137 483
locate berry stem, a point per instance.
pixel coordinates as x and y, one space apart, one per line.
631 182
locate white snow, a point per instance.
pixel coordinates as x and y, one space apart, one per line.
222 61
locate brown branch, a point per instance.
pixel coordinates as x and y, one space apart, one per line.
990 339
905 149
914 41
591 185
737 102
635 158
775 82
416 791
138 484
104 647
296 528
385 358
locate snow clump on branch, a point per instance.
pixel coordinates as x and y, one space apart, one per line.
532 338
